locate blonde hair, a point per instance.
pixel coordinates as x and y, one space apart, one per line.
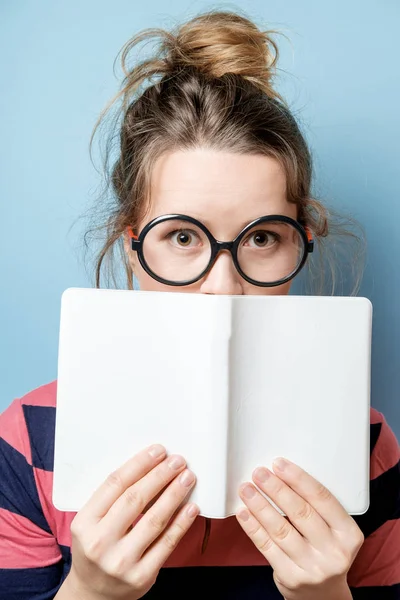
209 84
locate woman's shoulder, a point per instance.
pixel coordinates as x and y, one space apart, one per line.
44 395
36 537
34 402
385 449
27 426
377 564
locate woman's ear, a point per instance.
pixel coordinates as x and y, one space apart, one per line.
131 256
127 242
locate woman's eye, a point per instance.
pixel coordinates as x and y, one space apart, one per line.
262 239
184 238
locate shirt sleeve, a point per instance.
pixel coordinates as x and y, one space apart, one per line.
376 571
31 565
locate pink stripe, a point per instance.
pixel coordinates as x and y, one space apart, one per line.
378 562
59 522
228 545
13 429
23 545
386 453
45 395
375 416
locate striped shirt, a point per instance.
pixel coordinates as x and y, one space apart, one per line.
35 538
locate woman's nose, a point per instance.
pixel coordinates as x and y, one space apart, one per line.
223 277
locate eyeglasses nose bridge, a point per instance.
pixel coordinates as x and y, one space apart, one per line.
218 247
224 246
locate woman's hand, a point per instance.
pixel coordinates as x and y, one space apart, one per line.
313 548
110 558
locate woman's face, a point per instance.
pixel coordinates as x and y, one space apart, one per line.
225 192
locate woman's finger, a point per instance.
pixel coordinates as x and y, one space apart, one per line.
276 557
317 495
300 513
118 481
154 522
159 552
279 530
135 498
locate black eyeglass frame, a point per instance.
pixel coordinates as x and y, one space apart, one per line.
217 246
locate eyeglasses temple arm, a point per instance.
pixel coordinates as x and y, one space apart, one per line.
310 246
134 238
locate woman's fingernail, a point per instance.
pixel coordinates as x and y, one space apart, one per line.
156 451
248 491
192 511
244 515
281 464
176 462
186 478
262 474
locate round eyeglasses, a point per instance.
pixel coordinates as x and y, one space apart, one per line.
179 250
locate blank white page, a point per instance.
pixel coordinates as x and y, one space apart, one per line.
302 392
137 368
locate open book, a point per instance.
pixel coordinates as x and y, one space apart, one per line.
229 382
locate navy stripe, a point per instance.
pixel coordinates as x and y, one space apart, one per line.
374 431
40 422
18 492
224 583
238 583
384 501
384 592
31 584
66 556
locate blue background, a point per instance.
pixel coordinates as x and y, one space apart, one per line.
341 78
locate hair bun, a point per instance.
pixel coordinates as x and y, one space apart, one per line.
216 43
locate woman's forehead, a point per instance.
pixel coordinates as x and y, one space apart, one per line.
217 187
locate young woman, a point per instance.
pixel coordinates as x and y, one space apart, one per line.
208 150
